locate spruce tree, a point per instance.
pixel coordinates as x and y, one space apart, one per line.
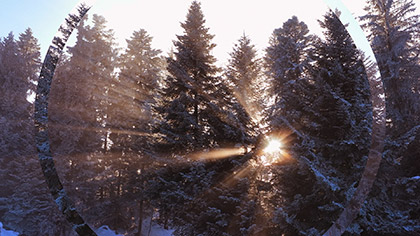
130 117
287 66
321 98
192 66
342 95
135 92
394 36
26 203
343 116
197 110
193 106
13 76
244 73
78 113
393 33
30 52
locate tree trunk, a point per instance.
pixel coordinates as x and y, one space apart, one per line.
165 223
150 224
140 224
195 107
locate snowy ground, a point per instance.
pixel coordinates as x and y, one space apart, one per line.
156 230
4 232
105 231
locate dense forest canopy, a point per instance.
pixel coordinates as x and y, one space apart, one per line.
273 143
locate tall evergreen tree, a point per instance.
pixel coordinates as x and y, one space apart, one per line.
26 205
343 116
245 75
12 90
393 32
78 113
287 66
192 66
130 117
394 36
30 53
198 111
324 104
342 94
193 107
135 92
12 76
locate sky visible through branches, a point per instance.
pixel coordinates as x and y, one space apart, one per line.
228 20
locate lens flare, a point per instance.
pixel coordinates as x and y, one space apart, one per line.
275 152
218 153
274 145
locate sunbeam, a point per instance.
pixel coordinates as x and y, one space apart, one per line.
274 145
274 150
97 129
218 153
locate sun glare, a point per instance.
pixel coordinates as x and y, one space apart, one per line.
274 145
274 153
219 153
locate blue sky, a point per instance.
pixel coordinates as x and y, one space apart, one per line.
43 16
161 18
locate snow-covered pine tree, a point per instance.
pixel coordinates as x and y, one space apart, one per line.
130 117
13 115
341 100
342 97
12 82
393 28
197 111
189 71
135 92
26 205
30 52
142 71
82 80
244 73
70 117
78 112
394 36
194 107
286 65
325 103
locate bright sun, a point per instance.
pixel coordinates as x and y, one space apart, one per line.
274 152
274 145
